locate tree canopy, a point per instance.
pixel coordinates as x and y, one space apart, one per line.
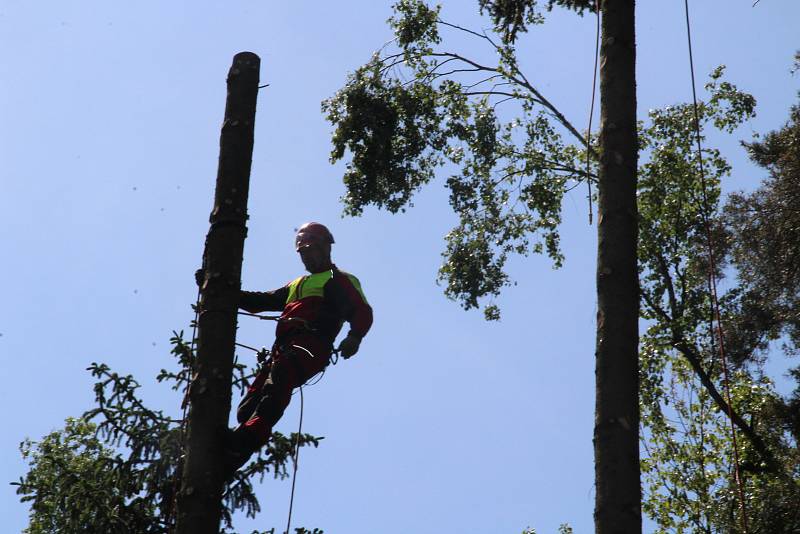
689 453
417 108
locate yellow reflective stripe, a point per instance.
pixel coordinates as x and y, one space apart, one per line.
357 285
308 286
293 289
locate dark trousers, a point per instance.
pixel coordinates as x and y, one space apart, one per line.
292 364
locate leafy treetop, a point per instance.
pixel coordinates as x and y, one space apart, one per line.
417 107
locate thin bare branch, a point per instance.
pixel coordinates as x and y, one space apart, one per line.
498 93
486 80
472 32
503 100
438 66
465 60
386 68
523 81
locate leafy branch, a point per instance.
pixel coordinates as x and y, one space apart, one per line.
417 107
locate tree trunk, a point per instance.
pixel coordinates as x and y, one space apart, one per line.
199 500
616 431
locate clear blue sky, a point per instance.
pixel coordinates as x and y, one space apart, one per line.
110 116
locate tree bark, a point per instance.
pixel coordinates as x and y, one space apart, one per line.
616 431
200 497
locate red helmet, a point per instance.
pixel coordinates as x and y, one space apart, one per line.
311 233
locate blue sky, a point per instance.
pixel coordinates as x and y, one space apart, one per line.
111 115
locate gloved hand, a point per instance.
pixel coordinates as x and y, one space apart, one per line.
349 346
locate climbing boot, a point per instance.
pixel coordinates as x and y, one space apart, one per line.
237 448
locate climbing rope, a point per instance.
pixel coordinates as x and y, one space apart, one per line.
712 283
281 319
296 456
262 317
591 108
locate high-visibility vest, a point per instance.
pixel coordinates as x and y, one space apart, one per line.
313 285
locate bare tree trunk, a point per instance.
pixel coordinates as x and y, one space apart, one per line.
199 501
616 431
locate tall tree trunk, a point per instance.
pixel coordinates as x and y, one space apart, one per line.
616 431
200 498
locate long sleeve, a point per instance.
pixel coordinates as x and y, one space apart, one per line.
261 301
357 310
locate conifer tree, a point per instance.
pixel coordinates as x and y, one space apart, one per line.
116 468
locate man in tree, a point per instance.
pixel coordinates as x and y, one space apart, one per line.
314 308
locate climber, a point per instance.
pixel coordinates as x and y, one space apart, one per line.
314 308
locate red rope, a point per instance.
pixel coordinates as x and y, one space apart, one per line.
712 283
